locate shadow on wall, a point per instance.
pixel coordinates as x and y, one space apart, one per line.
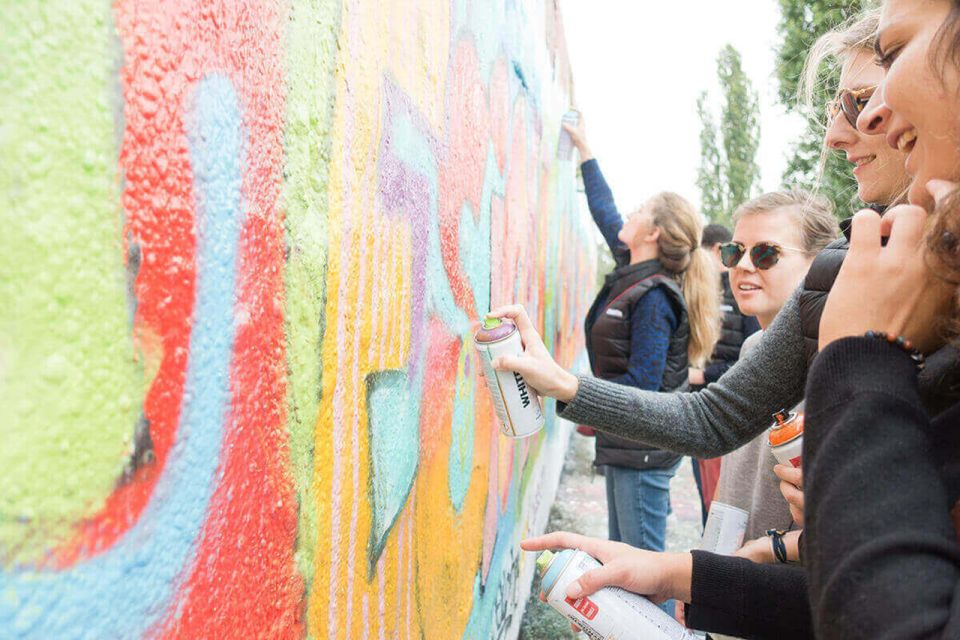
241 391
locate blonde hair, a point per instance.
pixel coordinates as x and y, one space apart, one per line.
680 253
813 213
856 35
852 37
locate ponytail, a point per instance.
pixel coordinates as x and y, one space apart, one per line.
681 254
703 309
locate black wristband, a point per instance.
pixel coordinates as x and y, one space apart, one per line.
779 548
901 343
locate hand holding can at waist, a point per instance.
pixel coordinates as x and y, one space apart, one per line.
534 364
786 437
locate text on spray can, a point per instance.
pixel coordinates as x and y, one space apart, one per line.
516 404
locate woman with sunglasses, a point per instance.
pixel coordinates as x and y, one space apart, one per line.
775 240
883 485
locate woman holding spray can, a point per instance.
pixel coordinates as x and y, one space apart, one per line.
656 312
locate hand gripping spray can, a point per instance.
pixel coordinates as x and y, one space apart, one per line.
786 437
517 405
609 614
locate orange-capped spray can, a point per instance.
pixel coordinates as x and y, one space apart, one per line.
786 437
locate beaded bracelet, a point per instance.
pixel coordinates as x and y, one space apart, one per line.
902 343
779 548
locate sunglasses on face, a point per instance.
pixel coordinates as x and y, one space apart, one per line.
851 103
763 255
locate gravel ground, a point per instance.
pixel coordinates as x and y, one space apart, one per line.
581 507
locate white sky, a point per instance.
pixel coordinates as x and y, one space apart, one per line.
638 67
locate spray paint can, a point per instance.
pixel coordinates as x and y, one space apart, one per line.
517 405
565 144
609 614
725 529
786 437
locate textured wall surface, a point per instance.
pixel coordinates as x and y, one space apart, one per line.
243 247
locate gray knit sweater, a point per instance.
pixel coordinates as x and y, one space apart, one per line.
716 420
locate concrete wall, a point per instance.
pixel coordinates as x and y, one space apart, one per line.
242 247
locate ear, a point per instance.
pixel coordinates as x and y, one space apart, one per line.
653 236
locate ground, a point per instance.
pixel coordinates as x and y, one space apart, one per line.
581 507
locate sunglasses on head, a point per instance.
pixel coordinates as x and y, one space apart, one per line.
851 103
763 255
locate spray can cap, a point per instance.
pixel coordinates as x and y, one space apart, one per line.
491 323
543 561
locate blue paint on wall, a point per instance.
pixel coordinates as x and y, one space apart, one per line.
393 415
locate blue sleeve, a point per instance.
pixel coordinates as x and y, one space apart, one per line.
652 323
603 208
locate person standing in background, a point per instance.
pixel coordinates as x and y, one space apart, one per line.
656 313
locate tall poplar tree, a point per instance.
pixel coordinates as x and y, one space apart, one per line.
729 174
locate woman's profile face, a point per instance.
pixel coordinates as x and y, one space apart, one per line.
878 168
637 226
759 292
916 106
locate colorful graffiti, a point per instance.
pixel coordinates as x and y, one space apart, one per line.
245 247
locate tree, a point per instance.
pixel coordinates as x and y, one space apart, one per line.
801 23
710 174
740 127
729 174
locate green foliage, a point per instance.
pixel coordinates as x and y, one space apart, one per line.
728 173
710 173
801 23
740 128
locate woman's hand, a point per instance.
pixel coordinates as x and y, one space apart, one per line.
759 550
538 369
695 376
791 486
659 576
889 289
578 136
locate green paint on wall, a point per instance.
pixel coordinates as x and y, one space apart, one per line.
70 388
311 57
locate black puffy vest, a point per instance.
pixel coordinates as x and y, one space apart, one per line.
608 346
939 382
731 334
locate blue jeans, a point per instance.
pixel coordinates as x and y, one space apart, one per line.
638 503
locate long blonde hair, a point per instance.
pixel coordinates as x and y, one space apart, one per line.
856 35
680 253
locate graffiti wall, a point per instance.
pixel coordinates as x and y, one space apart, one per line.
244 248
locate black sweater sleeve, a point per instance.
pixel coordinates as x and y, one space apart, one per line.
734 596
880 547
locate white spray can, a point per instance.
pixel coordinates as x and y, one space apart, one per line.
725 530
565 144
609 614
517 405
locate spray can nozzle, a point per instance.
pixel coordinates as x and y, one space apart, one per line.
543 561
781 417
491 323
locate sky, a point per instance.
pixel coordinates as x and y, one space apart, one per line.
638 67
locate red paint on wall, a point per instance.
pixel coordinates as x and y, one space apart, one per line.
243 581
